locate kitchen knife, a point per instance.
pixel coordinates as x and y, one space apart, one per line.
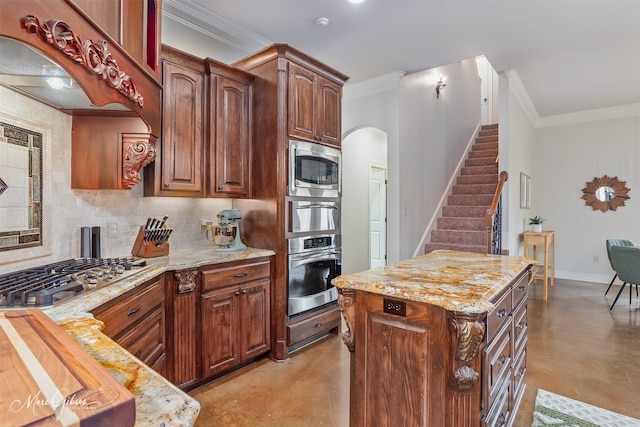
165 236
164 220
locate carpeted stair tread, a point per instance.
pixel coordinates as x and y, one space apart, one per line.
482 154
461 237
461 223
479 170
480 161
485 146
430 247
465 200
474 189
464 211
488 178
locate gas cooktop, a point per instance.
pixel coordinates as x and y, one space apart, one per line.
45 285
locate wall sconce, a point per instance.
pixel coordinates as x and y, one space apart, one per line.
440 86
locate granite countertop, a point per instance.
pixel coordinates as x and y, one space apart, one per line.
456 281
158 402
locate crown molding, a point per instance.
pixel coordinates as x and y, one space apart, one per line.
621 111
372 86
201 19
517 88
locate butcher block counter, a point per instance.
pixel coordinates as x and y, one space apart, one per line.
437 340
157 401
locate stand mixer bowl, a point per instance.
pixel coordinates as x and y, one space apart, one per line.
224 235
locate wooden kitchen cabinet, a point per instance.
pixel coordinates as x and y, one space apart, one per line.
235 315
133 24
178 168
229 136
314 106
136 321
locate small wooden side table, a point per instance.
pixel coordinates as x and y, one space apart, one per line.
546 239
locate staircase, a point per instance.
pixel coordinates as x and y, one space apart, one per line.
461 226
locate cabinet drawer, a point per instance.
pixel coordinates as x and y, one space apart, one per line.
146 340
216 278
498 316
497 363
520 289
500 413
313 325
519 371
126 310
520 328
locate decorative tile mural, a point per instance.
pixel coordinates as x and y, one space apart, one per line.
20 187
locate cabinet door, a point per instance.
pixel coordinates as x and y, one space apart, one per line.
302 103
219 331
230 149
182 131
330 110
254 319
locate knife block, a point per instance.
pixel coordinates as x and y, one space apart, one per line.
148 249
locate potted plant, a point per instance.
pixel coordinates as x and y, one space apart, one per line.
536 222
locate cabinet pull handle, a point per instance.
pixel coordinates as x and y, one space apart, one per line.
317 325
502 420
138 354
239 276
522 325
522 288
502 313
167 185
521 371
502 360
134 311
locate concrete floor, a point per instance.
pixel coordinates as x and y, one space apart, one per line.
577 348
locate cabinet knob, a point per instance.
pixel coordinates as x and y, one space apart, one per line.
244 291
138 354
167 185
502 313
237 292
219 187
502 360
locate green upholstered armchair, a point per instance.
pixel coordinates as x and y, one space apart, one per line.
615 242
626 263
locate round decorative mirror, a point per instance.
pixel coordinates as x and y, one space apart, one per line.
605 193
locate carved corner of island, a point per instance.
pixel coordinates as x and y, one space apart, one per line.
467 335
346 300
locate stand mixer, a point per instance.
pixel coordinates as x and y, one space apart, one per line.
227 233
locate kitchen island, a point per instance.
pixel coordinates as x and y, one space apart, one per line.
158 402
437 340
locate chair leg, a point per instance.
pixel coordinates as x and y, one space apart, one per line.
617 296
610 284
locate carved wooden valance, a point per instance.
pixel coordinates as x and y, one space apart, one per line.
95 56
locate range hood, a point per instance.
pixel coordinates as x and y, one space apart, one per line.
30 73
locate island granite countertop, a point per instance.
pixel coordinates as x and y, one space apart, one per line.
158 402
455 281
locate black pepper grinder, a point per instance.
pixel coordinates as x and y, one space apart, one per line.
95 242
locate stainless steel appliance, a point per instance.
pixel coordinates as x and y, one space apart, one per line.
308 216
314 170
227 233
313 262
50 283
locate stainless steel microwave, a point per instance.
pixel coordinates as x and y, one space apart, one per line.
314 170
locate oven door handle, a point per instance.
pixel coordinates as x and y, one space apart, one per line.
316 206
301 259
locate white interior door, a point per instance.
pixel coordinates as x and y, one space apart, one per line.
377 216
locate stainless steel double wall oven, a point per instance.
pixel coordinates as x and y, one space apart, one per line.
313 214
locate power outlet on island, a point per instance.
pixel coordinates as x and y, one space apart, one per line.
112 230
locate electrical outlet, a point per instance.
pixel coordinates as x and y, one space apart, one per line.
205 225
112 229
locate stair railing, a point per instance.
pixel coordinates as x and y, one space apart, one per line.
493 218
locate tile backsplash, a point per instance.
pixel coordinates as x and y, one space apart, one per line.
65 210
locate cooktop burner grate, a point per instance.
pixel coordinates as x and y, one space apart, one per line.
44 285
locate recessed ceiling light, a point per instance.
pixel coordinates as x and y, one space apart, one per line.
322 22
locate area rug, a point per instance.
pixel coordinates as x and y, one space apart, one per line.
559 411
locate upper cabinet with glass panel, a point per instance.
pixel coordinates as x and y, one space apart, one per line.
87 58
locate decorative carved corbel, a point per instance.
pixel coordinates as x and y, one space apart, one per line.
137 152
94 56
346 301
468 334
186 281
466 377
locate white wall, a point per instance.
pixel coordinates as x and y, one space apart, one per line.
567 157
360 149
66 210
370 107
434 134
